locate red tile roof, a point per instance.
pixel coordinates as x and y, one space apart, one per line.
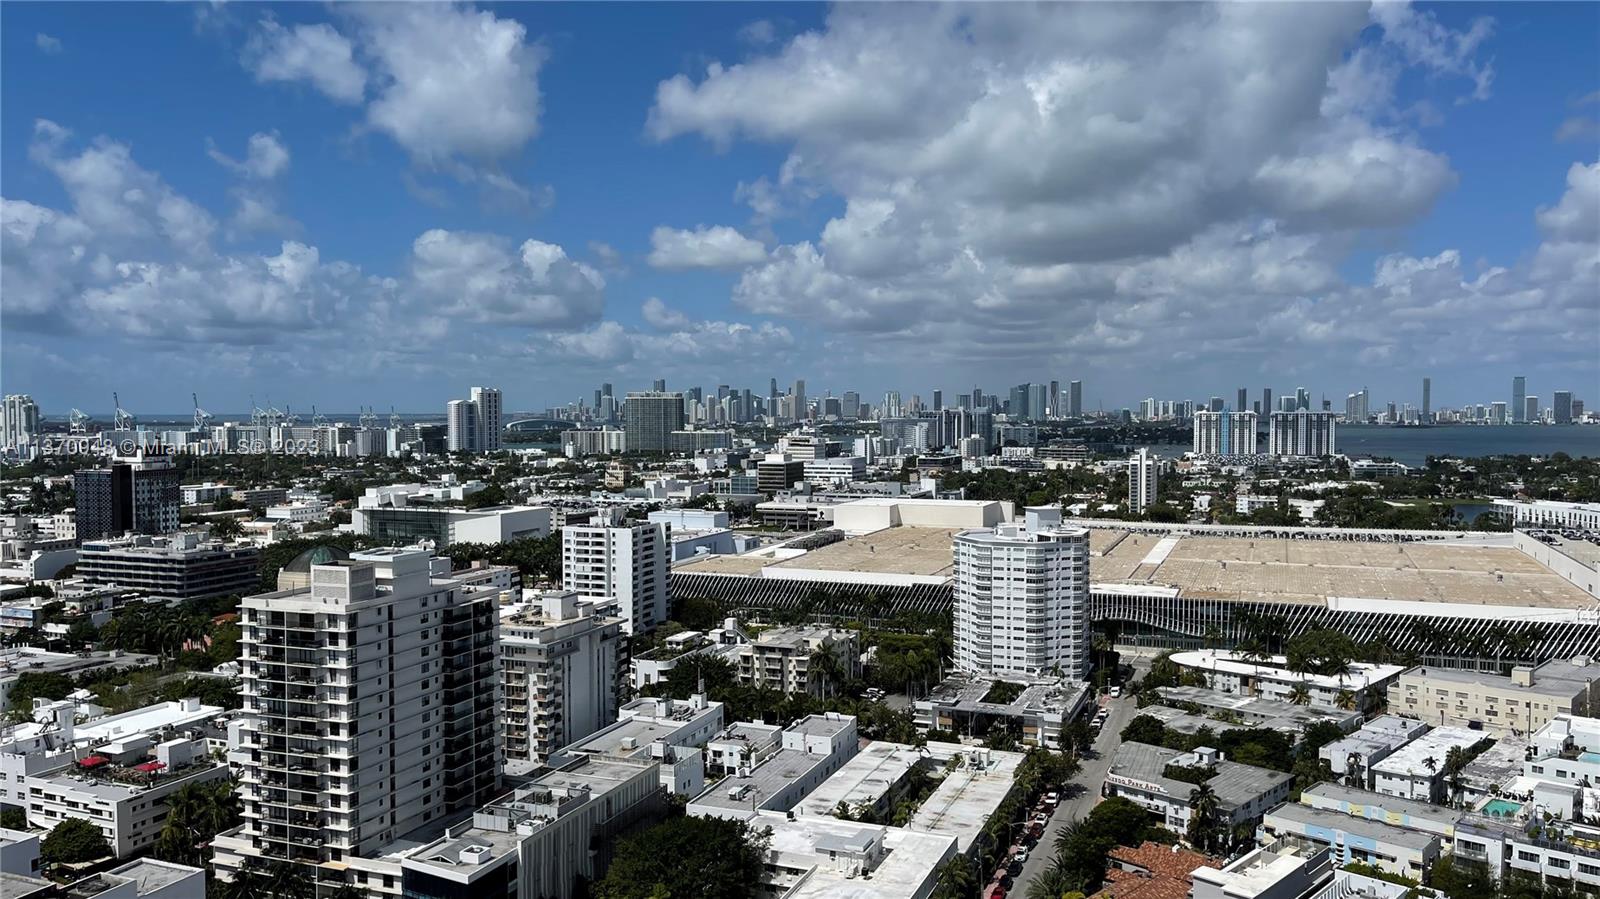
1168 876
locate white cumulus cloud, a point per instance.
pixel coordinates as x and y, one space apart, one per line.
716 246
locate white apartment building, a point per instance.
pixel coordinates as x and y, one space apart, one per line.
1357 688
535 842
835 470
621 564
673 733
1224 433
371 701
20 421
781 659
486 400
1143 474
444 526
1022 597
1302 434
1544 513
1244 792
1416 770
298 512
562 662
208 492
123 788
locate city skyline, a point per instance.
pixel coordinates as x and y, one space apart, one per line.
313 202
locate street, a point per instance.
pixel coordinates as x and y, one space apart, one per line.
1076 806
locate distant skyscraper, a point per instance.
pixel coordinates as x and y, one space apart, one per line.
1519 396
660 385
977 397
1561 407
461 426
1497 412
649 420
1302 398
1302 433
1038 401
938 400
1266 401
1216 404
1224 433
487 399
1075 402
1055 398
1142 477
801 413
21 420
851 406
1427 400
1530 409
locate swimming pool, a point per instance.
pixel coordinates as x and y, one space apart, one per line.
1502 808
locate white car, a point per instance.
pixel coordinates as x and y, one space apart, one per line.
1116 692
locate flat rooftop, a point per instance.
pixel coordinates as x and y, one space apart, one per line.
142 721
962 803
863 780
151 875
1411 760
1323 794
919 551
764 781
1310 571
910 861
1234 784
1315 819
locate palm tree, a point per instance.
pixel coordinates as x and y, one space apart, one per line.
1346 700
1431 763
957 878
1054 883
1299 695
824 666
1203 808
1354 776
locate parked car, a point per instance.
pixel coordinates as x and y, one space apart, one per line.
1116 692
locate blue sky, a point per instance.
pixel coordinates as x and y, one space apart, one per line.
374 204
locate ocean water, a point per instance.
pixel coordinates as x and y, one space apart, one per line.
1413 446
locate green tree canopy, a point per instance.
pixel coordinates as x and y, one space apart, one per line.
73 841
686 856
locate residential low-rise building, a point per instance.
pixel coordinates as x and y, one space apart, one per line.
537 842
1519 704
1037 712
1244 792
810 751
123 788
743 744
1416 770
789 659
672 733
1394 850
1358 688
1352 757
